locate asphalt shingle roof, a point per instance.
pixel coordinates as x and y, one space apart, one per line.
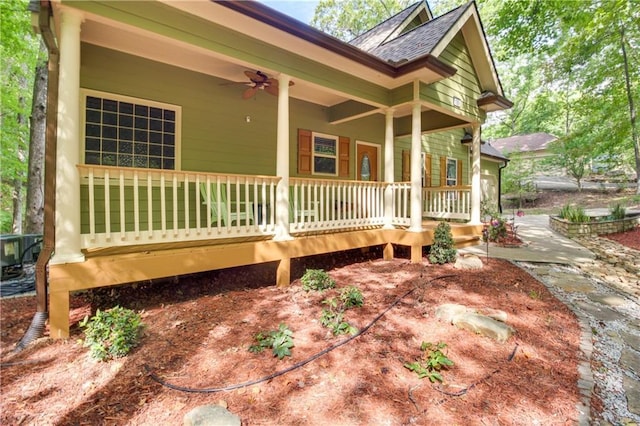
420 41
519 143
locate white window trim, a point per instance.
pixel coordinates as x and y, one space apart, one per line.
314 155
84 92
446 175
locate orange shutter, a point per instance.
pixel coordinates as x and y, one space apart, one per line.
459 181
427 170
443 171
344 151
304 152
406 165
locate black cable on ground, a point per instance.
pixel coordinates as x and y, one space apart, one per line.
297 365
473 385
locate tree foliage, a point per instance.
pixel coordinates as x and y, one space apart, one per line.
18 56
586 71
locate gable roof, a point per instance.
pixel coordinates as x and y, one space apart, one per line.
381 32
487 150
524 143
418 41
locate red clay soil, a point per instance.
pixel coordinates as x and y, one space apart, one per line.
199 328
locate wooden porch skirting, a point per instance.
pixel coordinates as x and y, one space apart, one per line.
121 265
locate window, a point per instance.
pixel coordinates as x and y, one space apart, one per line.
325 154
128 132
452 172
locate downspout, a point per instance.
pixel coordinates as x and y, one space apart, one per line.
40 318
506 163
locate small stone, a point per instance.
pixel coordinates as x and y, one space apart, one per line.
607 299
485 326
470 262
632 389
211 415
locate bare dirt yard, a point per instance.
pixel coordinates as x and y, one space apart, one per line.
198 330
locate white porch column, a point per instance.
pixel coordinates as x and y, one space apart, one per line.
388 169
282 160
416 169
476 190
67 215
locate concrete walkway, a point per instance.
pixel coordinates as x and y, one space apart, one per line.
604 298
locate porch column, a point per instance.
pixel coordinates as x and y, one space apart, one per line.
282 160
475 177
388 169
67 215
416 169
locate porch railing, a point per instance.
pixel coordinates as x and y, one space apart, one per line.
130 206
451 202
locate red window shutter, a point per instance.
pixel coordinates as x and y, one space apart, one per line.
443 171
406 165
459 181
344 151
304 152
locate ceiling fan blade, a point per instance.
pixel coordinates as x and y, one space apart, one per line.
271 89
257 77
249 92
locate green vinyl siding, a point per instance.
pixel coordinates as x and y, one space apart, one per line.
443 144
464 84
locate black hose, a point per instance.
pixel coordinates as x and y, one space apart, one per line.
33 332
163 382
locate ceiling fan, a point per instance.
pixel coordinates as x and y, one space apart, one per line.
259 80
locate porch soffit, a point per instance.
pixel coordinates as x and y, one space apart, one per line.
156 31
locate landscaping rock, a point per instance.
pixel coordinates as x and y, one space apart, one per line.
211 415
484 325
490 324
468 262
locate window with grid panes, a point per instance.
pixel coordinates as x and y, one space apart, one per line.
129 132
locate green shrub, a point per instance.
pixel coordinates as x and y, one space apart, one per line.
112 333
351 297
573 214
280 341
443 249
618 212
316 279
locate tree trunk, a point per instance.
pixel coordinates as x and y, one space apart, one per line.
632 109
34 217
16 227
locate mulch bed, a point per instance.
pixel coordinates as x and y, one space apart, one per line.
198 330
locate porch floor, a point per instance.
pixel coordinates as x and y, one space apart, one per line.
120 265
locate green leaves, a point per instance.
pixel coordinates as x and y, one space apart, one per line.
316 279
112 333
280 341
443 248
432 361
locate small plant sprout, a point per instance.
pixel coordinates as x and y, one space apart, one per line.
280 341
431 362
351 297
333 318
316 279
534 294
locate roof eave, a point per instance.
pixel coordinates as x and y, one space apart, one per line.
282 22
494 102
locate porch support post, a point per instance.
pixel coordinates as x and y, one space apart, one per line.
475 177
282 161
388 169
416 168
67 211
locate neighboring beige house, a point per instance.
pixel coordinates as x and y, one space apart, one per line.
531 149
189 136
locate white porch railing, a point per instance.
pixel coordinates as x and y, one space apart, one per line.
128 206
131 206
451 202
321 204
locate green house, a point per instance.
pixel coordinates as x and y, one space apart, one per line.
193 136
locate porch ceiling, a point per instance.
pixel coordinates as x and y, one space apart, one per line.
102 29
